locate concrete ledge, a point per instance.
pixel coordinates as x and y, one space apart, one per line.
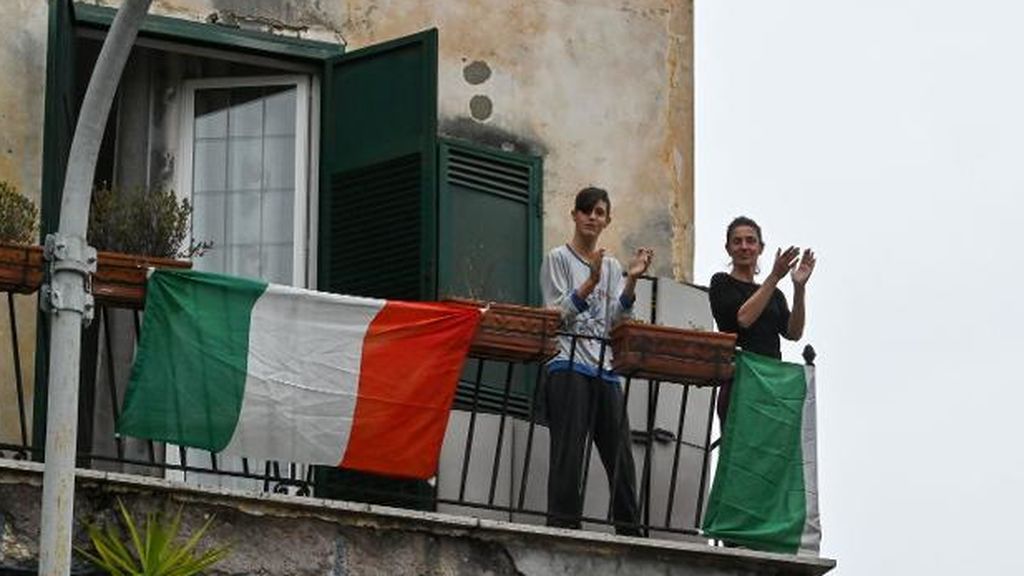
282 534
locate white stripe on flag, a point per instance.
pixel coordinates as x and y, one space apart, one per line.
300 394
810 539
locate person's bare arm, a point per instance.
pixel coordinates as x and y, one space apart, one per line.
802 273
751 310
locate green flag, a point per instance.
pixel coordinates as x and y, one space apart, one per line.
765 493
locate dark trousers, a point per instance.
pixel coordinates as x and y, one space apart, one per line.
581 409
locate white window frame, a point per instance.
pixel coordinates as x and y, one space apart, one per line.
306 159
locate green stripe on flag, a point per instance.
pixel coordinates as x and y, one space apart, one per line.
758 498
189 374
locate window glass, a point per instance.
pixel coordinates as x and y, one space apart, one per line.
244 179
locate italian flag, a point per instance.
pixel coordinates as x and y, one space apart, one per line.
765 493
242 367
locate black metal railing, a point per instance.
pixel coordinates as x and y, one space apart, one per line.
493 463
658 512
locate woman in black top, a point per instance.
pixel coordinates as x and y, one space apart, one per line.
757 313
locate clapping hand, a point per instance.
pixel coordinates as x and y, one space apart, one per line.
596 262
640 262
804 269
784 262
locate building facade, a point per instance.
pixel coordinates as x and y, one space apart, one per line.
460 131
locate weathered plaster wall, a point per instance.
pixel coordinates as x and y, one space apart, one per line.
273 534
602 89
23 68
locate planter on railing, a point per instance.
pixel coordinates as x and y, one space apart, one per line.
513 333
120 279
21 268
672 354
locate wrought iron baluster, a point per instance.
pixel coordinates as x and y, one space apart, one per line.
675 456
529 436
501 433
115 409
136 322
707 458
18 382
644 499
472 428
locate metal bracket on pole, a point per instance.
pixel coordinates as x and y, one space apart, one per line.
69 254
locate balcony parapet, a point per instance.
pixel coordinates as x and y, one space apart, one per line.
281 534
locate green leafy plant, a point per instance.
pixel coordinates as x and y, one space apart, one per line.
155 550
18 216
139 221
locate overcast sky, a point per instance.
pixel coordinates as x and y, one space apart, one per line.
889 136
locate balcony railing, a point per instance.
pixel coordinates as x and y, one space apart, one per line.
494 457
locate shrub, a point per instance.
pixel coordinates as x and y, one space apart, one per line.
18 216
139 221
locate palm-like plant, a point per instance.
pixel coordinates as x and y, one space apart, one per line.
153 551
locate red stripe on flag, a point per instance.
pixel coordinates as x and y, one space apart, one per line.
412 357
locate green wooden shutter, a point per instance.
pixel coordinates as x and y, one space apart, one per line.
61 110
61 115
490 223
490 249
378 191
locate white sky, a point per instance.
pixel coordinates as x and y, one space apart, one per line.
889 136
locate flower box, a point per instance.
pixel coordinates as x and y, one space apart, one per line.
21 268
672 354
120 279
513 333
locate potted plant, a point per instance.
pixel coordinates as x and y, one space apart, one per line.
133 231
21 263
672 354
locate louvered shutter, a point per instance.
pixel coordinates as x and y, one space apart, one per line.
490 220
378 193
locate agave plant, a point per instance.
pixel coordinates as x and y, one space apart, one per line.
155 550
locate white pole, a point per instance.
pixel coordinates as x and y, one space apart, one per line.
68 303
